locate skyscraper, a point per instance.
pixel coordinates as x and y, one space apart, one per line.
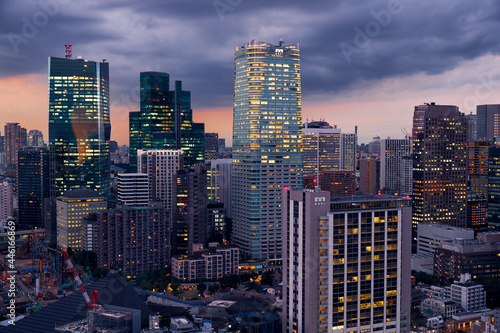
488 121
79 125
211 146
35 178
439 165
267 131
321 148
349 147
165 120
346 263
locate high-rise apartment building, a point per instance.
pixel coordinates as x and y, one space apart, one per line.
15 138
133 189
35 179
321 148
349 148
477 189
392 151
165 120
493 200
161 166
133 239
488 121
35 138
5 200
72 208
267 143
189 209
346 263
79 124
439 165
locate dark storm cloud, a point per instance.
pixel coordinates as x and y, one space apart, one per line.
344 44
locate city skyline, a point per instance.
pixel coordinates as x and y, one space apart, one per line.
414 53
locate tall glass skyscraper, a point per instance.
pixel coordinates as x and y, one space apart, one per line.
79 125
165 121
267 131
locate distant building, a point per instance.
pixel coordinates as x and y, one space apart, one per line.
211 146
493 199
349 148
477 192
133 189
338 182
432 235
219 174
35 138
471 126
439 166
210 264
392 152
222 147
5 200
478 257
15 138
321 147
89 233
71 209
133 239
369 175
262 322
216 215
36 184
488 121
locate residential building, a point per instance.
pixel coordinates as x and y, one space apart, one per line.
35 138
133 239
439 166
161 166
79 124
267 143
346 262
321 148
189 209
35 180
15 138
406 176
133 189
488 121
216 220
442 306
89 233
165 120
71 209
392 152
5 199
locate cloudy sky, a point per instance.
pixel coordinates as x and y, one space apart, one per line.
365 63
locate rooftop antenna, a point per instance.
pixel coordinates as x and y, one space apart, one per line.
68 53
281 42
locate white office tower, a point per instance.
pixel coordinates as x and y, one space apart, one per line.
392 152
133 189
161 166
346 263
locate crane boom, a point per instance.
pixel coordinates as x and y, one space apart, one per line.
77 278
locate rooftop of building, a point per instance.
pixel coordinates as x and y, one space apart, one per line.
445 227
80 194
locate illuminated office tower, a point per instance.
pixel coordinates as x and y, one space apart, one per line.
267 142
439 166
211 146
219 182
477 191
392 151
348 147
321 148
15 138
79 125
346 263
165 120
35 138
488 121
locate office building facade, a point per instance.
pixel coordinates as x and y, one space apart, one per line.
133 189
488 121
165 120
349 149
15 138
79 124
5 200
321 148
35 179
439 166
338 182
211 146
72 208
392 152
219 174
267 143
346 263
